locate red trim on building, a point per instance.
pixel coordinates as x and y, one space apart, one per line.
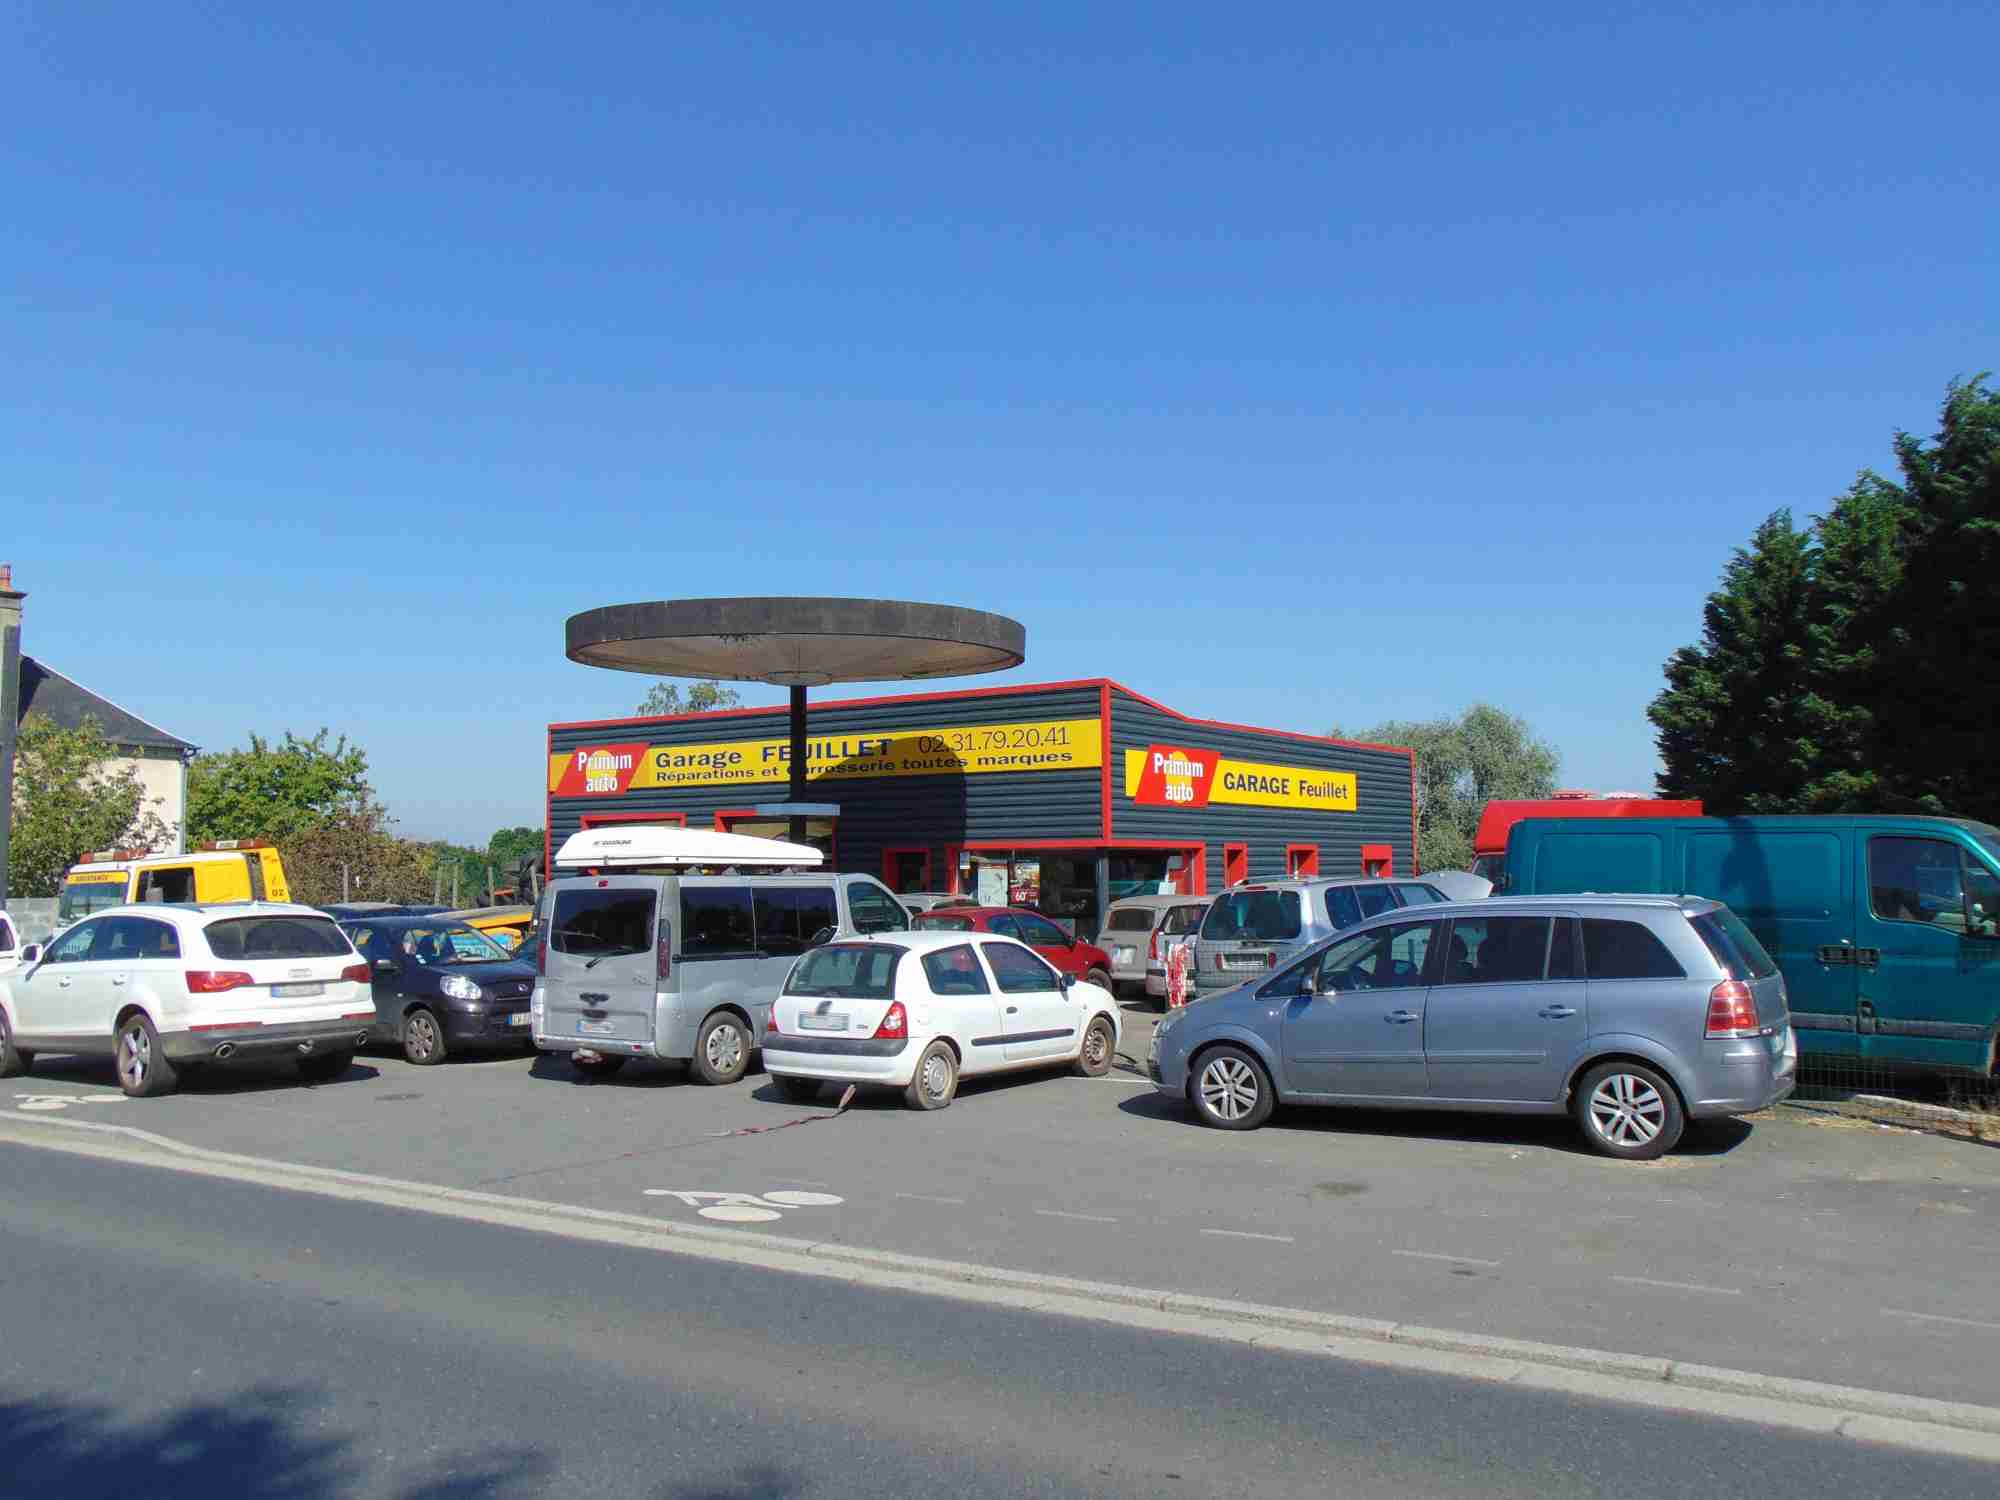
724 816
1235 864
889 854
817 704
1378 859
1416 864
1104 759
1194 879
1302 860
600 820
548 810
951 853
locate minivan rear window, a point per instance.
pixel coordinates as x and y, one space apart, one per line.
929 922
1734 945
250 938
846 971
1252 916
1625 950
1131 919
594 923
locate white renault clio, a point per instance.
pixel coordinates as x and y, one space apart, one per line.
917 1011
158 987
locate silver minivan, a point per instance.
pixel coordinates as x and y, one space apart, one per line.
1138 931
1633 1014
684 966
1251 929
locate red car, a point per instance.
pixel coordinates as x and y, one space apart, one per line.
1086 961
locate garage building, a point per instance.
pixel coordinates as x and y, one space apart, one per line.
1060 796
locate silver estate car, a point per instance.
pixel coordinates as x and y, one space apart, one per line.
1634 1014
1255 928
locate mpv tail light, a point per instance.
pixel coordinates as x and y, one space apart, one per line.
1732 1011
356 973
542 951
771 1021
663 962
1153 947
895 1025
214 981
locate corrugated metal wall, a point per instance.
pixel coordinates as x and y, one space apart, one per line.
932 811
1382 785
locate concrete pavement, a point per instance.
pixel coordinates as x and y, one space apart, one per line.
176 1336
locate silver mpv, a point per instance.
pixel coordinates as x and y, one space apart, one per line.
1255 928
1634 1014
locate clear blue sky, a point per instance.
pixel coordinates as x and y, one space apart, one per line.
1292 365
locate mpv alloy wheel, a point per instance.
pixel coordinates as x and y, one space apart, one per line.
1231 1090
1629 1111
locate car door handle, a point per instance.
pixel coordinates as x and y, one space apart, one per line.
1400 1017
63 983
1556 1012
1013 1010
117 978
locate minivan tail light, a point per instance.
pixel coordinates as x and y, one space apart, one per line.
542 951
1153 947
1732 1011
214 981
663 960
895 1024
356 973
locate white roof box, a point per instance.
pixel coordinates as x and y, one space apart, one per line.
634 846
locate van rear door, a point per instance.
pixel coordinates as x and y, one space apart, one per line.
602 973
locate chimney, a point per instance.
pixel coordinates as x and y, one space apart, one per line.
10 709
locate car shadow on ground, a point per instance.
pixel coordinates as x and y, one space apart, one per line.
638 1073
1704 1138
219 1079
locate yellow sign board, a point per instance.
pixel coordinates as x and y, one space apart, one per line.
965 750
1176 776
97 877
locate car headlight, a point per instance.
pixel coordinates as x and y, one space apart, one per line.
1168 1022
457 987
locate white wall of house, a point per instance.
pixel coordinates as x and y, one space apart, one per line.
165 781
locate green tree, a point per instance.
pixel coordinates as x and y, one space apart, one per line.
355 855
664 698
274 791
69 798
1462 764
509 846
1843 668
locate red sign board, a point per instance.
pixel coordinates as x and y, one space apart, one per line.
1174 776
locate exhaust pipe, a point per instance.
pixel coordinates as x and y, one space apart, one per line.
226 1050
305 1047
360 1038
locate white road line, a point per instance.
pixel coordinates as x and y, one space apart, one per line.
1655 1382
1056 1213
1244 1234
1682 1286
927 1198
1457 1260
1896 1312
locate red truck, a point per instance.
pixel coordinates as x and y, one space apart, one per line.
1489 845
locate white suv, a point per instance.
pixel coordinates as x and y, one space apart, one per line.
158 987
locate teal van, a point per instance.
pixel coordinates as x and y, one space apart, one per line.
1886 928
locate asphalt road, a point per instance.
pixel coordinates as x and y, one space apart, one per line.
164 1335
1797 1245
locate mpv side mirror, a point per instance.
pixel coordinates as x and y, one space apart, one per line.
821 938
1068 982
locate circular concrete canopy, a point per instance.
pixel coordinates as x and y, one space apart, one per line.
795 642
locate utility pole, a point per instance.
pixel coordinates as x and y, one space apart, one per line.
10 710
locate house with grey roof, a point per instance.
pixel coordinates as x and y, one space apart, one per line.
158 758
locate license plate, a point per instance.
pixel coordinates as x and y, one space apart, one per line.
296 991
520 1018
594 1028
1124 955
1246 960
827 1021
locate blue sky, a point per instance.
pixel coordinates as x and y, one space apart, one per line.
1291 365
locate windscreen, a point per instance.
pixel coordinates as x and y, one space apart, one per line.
851 971
1252 916
250 938
80 899
592 923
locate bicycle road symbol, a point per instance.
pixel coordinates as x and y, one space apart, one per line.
747 1208
64 1101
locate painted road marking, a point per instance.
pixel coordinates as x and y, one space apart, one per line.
1896 1312
1056 1213
927 1198
1245 1234
1456 1260
1656 1382
1682 1286
64 1101
746 1208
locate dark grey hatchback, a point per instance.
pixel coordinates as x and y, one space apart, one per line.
1634 1014
441 986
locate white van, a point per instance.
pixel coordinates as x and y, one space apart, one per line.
673 942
